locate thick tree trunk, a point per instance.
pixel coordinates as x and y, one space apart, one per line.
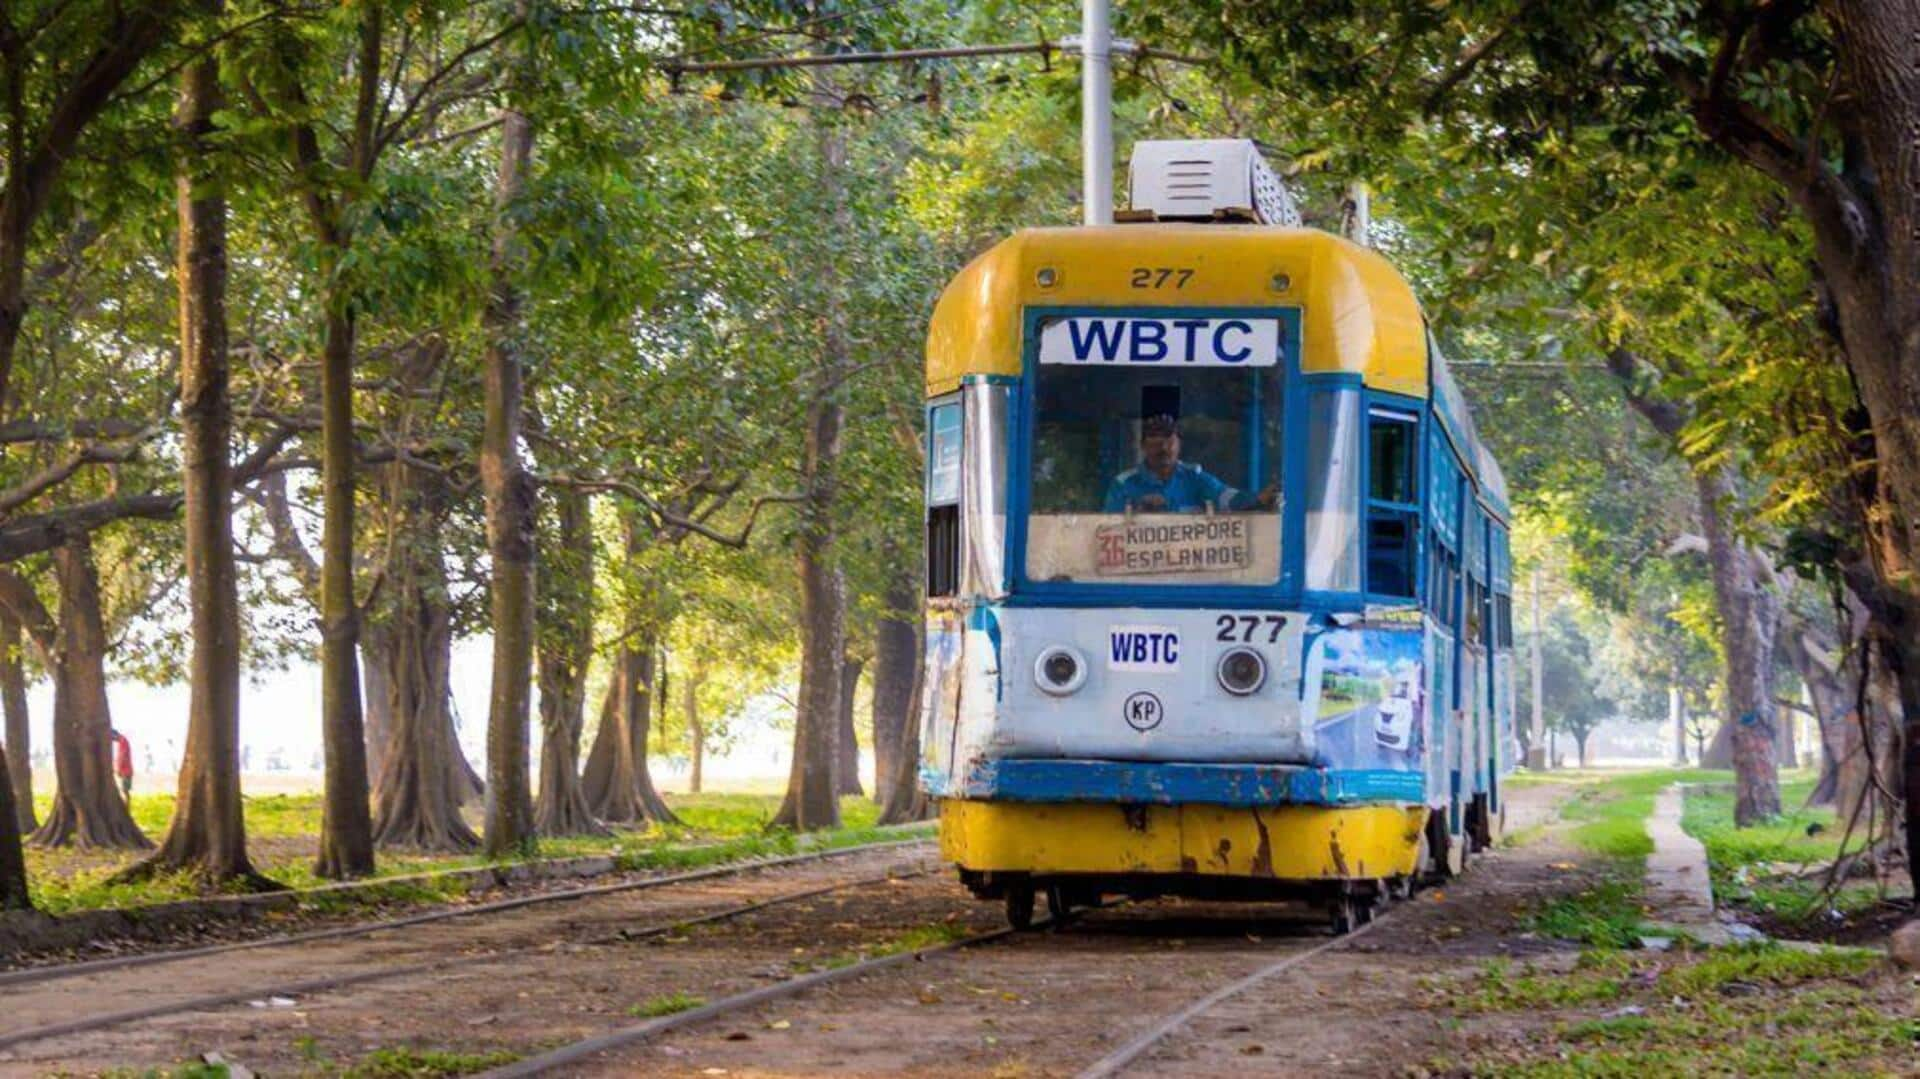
1745 597
618 785
1749 616
208 834
13 859
895 659
417 803
18 735
566 649
346 819
512 506
846 759
905 800
87 806
811 801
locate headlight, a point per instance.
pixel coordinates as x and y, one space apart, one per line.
1060 670
1242 671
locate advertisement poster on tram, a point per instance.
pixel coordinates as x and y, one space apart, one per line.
1366 699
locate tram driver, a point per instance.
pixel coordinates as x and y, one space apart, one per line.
1163 483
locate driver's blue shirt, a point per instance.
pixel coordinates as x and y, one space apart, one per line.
1187 488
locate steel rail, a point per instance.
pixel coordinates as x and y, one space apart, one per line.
578 1051
1117 1061
30 975
341 981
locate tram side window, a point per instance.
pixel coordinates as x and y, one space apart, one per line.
1442 594
943 499
1502 621
1393 504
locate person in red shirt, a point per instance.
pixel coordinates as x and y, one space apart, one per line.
123 763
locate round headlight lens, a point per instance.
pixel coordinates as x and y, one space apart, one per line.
1060 670
1242 671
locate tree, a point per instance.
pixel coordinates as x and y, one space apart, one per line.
1569 683
208 831
17 743
566 648
1746 594
511 505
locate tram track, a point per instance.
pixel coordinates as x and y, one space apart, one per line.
52 972
311 986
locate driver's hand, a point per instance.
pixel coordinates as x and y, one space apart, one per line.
1269 496
1152 502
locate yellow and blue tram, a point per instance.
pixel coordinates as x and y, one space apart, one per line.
1218 572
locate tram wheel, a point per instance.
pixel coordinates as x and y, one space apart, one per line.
1020 906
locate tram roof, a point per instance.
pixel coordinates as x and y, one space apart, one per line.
1358 314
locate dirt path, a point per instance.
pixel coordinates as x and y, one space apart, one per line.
1046 1003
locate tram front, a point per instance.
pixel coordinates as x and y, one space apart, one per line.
1146 562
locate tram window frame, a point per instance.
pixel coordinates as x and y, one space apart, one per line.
1393 509
944 548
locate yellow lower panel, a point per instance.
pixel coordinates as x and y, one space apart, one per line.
1283 842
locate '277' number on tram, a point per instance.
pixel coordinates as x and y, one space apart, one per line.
1241 627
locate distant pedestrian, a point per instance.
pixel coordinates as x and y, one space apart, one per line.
123 763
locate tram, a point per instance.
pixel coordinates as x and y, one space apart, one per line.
1219 588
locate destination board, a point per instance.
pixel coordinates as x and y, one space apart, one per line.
1210 544
1161 342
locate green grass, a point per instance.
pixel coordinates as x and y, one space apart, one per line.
715 828
912 940
1750 1010
1740 858
413 1063
666 1004
1605 915
1611 812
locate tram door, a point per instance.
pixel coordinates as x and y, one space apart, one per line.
1475 714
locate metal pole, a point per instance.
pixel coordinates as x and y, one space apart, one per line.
1538 758
1096 113
1358 214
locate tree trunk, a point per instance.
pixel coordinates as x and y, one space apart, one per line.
811 801
566 649
208 833
18 736
512 506
618 785
1676 715
87 806
1580 739
696 732
895 659
905 800
1744 596
13 860
346 820
417 805
1749 616
847 750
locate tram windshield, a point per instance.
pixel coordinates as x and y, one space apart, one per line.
1155 476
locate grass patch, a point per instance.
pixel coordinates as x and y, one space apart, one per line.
666 1004
1600 976
1611 813
912 940
716 828
1606 915
1766 962
407 1062
1746 863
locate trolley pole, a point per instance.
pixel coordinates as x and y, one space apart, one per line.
1537 753
1096 113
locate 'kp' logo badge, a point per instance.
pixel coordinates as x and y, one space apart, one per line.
1143 711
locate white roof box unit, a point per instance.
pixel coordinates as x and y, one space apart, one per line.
1206 180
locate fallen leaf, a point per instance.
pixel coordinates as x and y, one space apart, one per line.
780 1024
